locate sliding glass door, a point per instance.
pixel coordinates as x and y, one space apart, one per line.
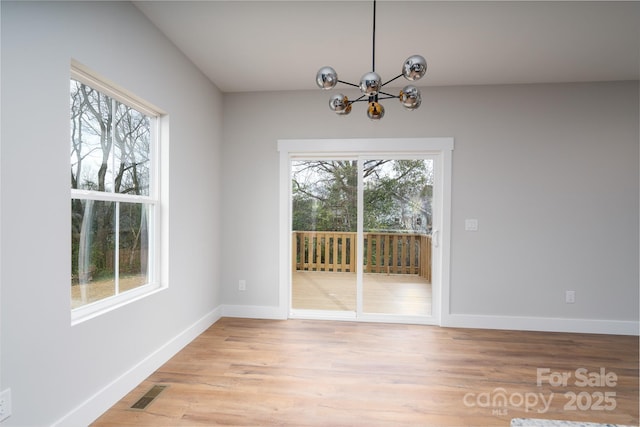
324 232
397 229
363 225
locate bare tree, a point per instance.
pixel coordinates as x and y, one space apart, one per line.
110 146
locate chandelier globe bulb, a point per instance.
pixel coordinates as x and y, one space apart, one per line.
370 83
375 111
414 67
340 104
326 78
410 97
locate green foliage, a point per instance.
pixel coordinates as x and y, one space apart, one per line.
397 195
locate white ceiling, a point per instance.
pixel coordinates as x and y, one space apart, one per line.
280 45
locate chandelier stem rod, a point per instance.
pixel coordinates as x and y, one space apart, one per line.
361 99
347 83
396 77
373 56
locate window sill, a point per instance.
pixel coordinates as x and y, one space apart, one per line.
98 308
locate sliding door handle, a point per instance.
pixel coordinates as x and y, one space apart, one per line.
435 238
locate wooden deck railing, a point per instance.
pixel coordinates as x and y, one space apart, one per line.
391 253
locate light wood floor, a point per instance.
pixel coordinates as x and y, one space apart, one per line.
403 294
324 373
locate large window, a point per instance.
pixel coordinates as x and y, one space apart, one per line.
114 195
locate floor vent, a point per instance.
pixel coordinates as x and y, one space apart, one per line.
149 396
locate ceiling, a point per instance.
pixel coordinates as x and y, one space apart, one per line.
245 46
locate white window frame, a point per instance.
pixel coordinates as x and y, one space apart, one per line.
154 200
441 148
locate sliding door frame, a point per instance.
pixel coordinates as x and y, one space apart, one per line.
441 150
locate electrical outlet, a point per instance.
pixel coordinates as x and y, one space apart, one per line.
242 285
5 404
570 297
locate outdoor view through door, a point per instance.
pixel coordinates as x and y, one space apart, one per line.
395 216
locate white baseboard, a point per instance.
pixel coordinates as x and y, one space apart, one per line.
520 323
96 405
543 324
254 312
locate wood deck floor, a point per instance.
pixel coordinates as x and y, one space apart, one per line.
326 373
402 294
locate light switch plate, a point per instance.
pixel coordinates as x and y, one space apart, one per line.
570 297
471 225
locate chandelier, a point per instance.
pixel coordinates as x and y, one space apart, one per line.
371 85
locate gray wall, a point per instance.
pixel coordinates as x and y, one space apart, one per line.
550 171
50 366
